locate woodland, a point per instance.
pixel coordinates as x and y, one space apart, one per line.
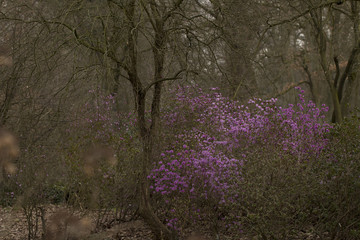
201 119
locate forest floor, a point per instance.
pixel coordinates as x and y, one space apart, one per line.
13 226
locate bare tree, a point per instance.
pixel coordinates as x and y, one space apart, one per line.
118 32
324 24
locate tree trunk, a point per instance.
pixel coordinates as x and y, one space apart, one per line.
148 134
334 95
159 229
325 66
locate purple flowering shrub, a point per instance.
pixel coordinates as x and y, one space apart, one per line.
200 170
193 176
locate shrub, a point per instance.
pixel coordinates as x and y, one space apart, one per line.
339 212
226 158
100 156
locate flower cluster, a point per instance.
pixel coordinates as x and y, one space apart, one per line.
196 168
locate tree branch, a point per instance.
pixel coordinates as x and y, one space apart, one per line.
176 6
176 76
328 3
73 30
290 88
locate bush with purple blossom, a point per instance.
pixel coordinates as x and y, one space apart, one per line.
214 144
